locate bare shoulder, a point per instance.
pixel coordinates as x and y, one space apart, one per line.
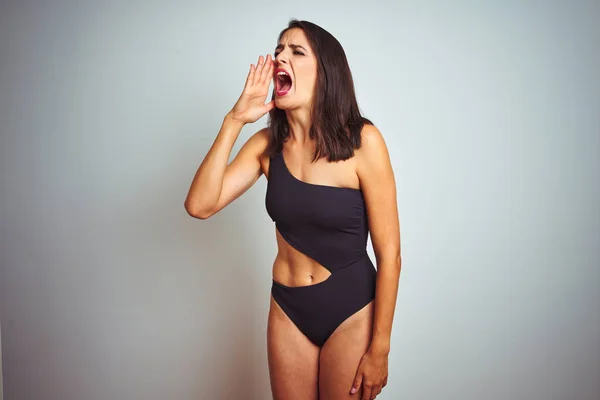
263 134
373 152
378 185
255 148
259 140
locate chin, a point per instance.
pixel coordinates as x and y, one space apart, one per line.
286 103
282 103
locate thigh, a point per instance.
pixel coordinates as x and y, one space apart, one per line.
293 359
341 355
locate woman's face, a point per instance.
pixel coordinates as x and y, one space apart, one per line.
295 71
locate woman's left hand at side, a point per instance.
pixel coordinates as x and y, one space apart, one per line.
372 374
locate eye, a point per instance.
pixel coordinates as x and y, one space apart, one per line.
296 52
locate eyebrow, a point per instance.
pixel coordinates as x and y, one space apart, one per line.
293 46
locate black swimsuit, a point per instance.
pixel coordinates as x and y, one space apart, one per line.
329 225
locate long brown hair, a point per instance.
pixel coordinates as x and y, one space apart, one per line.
336 118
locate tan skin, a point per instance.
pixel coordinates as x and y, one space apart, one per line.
355 357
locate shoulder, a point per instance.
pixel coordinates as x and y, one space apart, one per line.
374 167
257 143
261 138
373 147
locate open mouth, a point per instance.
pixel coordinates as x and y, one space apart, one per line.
283 82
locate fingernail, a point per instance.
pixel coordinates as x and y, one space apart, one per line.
353 390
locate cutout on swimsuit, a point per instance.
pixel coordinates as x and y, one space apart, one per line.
292 249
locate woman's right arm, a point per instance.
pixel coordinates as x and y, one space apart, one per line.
216 184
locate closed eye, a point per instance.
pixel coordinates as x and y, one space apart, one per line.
296 52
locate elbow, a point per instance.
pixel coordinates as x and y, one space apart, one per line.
195 211
397 262
392 260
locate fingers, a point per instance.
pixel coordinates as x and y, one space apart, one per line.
267 70
262 72
370 391
257 71
367 393
269 106
250 78
357 383
375 391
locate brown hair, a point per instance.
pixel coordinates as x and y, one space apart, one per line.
336 118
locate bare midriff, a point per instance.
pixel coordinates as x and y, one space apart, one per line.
293 268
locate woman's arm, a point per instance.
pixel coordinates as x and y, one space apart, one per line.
377 182
379 188
217 184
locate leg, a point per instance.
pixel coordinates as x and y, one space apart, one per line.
341 354
293 359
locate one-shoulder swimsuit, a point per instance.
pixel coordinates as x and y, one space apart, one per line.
329 225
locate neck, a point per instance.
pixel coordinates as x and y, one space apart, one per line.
299 121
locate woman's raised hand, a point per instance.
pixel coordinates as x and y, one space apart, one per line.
251 106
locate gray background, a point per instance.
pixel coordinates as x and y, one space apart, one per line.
109 290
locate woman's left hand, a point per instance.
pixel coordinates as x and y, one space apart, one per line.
372 374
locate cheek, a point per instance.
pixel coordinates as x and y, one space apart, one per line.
313 77
308 74
309 80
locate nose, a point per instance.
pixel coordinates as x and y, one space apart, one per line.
280 59
281 63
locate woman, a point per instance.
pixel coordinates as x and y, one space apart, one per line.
330 182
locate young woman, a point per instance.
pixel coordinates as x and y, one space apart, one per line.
329 183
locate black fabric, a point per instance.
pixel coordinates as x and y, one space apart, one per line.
328 224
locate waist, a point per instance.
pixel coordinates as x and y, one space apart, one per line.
301 270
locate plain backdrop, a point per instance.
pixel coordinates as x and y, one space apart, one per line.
110 291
